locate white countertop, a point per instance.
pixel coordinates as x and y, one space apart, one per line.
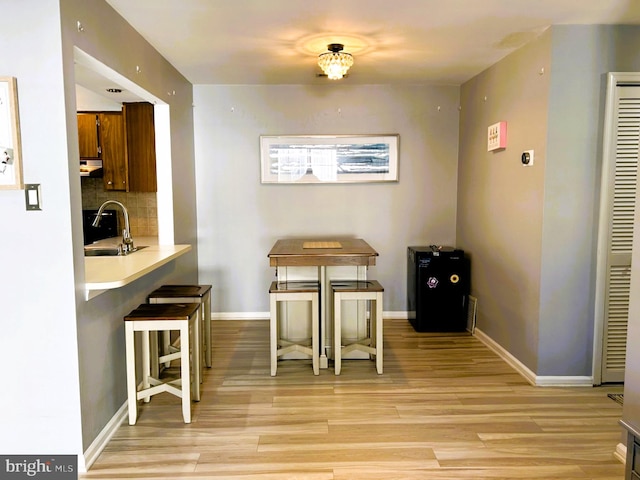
105 273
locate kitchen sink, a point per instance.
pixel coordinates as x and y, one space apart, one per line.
105 251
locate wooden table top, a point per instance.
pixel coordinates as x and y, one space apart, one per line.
311 252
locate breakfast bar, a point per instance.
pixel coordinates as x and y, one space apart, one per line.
105 273
323 260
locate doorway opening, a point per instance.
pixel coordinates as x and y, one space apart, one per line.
93 78
621 144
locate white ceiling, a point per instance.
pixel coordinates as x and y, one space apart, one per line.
392 41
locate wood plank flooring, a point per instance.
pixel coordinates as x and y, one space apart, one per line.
446 407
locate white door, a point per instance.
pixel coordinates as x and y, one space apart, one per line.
619 175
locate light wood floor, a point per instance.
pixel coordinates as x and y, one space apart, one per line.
446 407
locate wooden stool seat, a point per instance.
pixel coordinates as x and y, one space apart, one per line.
372 291
153 318
298 291
188 294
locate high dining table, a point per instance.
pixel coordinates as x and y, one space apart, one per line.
320 254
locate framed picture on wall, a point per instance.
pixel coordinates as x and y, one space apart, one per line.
329 158
10 154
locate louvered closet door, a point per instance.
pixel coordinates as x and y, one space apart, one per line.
622 197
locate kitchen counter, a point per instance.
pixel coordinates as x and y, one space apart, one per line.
105 273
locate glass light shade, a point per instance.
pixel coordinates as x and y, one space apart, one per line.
335 64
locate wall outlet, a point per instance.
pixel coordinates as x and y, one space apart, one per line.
527 158
497 136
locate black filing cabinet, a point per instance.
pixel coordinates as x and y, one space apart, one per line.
437 288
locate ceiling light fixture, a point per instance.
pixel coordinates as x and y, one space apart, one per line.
335 62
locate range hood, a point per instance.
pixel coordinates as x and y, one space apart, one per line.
90 168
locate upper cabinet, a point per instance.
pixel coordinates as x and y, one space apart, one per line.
114 151
125 141
141 146
88 135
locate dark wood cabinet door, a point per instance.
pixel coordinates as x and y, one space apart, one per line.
141 146
114 155
88 135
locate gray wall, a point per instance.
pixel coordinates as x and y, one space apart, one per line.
572 179
239 219
533 235
581 57
500 202
39 406
99 321
631 409
66 378
626 40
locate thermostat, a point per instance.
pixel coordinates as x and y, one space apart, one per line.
527 158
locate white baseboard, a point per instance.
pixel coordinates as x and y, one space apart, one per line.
566 381
621 453
396 315
531 377
267 315
98 445
240 315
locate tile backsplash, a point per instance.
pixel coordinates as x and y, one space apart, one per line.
142 206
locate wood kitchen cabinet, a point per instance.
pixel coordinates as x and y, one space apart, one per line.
125 141
88 135
141 146
101 136
114 151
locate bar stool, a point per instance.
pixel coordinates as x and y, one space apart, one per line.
200 294
150 318
371 290
295 291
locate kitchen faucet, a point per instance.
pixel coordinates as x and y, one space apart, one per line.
127 241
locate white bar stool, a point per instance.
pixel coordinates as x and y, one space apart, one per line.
150 318
200 294
295 291
371 290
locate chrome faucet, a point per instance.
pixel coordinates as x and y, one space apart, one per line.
127 241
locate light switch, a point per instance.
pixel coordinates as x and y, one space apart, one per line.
32 196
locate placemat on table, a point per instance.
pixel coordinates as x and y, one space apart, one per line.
321 245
